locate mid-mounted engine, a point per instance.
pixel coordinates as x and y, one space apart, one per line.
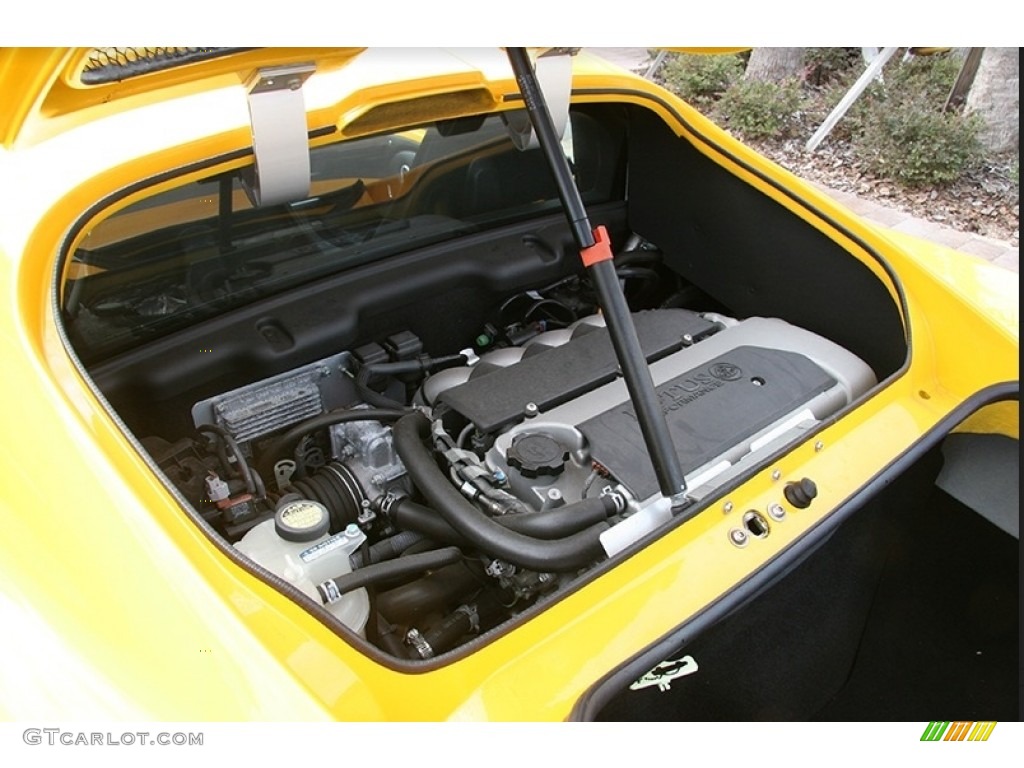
507 476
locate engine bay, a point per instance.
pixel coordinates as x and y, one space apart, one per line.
427 431
426 500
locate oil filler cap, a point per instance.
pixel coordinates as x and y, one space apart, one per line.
535 455
801 494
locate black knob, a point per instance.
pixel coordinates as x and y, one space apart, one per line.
801 494
535 455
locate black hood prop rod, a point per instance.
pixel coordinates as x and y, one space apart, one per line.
596 254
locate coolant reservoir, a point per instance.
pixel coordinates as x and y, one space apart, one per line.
295 545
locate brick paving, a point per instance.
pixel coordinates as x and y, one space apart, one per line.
996 252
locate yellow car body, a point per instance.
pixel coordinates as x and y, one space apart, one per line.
116 604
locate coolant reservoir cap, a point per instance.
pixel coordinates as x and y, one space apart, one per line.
302 520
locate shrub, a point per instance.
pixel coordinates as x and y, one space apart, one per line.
912 142
757 109
700 79
901 132
825 65
928 78
897 127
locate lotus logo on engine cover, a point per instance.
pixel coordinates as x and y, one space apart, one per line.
725 371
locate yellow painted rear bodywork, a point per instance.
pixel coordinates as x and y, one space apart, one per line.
142 617
47 96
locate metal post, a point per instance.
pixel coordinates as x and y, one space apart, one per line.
649 74
869 74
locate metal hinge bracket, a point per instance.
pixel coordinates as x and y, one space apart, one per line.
280 140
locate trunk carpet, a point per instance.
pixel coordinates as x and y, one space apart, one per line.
909 612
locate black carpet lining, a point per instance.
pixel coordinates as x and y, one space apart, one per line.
909 612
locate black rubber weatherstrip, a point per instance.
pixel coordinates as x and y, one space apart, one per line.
105 74
599 694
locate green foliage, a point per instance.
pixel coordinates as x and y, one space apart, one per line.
825 65
901 132
928 78
914 143
896 126
758 109
700 79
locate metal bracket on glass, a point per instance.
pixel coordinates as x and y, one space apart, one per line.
553 69
280 141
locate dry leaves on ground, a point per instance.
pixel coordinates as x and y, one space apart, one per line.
984 201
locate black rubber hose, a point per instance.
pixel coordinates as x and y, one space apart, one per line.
371 396
229 441
560 521
546 524
386 549
559 555
392 643
410 516
423 545
399 368
446 633
225 462
286 443
331 589
333 486
640 272
437 591
630 258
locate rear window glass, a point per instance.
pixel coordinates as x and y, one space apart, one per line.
201 249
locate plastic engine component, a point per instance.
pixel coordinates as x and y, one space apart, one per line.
729 399
545 376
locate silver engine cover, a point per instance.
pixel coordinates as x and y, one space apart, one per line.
714 398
